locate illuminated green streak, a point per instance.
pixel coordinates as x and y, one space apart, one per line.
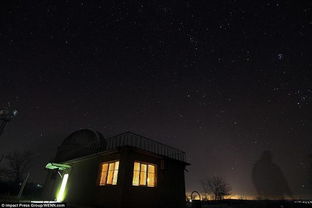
61 194
58 166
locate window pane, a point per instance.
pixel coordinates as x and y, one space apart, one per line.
116 165
103 174
136 174
151 180
136 166
115 173
110 173
151 168
151 176
143 173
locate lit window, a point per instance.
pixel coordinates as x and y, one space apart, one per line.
109 173
144 174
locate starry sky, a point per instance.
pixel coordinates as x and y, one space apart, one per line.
223 80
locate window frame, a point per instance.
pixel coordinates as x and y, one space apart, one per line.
146 174
106 177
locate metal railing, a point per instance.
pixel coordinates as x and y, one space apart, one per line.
134 140
126 139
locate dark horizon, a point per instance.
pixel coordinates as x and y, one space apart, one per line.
223 81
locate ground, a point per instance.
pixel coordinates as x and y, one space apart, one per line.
255 204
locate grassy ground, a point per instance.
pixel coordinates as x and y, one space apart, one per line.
255 204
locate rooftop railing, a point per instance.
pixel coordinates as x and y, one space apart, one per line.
125 139
134 140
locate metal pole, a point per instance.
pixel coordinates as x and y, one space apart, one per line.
23 186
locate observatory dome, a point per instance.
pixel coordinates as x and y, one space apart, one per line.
80 143
83 137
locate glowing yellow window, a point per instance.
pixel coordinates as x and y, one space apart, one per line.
151 176
144 174
109 173
136 174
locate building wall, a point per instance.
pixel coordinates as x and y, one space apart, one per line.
170 189
83 188
83 184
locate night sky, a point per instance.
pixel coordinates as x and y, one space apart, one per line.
222 80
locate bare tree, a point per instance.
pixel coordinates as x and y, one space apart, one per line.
2 170
1 157
18 163
217 186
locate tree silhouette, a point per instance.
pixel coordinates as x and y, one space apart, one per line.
1 158
18 164
217 186
2 170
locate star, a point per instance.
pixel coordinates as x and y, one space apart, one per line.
280 56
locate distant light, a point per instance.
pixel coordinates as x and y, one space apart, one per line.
15 112
280 56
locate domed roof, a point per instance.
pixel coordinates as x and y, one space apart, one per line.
80 143
83 137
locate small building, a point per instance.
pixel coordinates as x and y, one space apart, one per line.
126 170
